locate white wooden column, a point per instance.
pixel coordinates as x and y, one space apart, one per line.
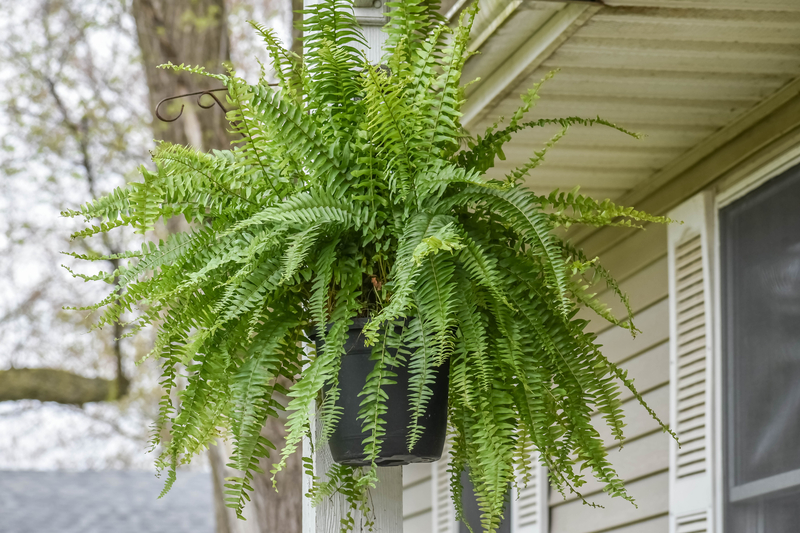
371 16
386 499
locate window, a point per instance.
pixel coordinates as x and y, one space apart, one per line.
760 295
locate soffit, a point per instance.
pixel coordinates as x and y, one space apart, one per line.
678 74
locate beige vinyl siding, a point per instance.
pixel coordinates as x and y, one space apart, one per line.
647 245
639 263
577 517
643 290
619 345
641 457
417 499
714 108
652 525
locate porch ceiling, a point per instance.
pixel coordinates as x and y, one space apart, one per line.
680 74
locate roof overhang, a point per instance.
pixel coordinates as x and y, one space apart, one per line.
514 38
697 76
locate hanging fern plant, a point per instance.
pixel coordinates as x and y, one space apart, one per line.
354 192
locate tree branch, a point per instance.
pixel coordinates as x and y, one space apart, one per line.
61 386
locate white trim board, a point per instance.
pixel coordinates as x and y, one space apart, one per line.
718 410
455 9
497 21
731 189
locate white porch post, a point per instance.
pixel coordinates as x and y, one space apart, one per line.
387 497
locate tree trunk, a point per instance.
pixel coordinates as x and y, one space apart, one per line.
297 30
195 32
191 32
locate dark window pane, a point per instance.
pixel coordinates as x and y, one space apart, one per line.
783 513
472 513
760 238
743 518
771 514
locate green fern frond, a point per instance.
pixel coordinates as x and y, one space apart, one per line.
482 153
521 172
373 397
406 269
522 209
288 66
529 99
588 211
252 390
112 207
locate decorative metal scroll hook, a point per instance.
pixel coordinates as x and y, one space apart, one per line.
216 100
199 94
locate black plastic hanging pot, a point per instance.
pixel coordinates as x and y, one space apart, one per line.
346 442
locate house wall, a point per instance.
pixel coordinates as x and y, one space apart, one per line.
638 260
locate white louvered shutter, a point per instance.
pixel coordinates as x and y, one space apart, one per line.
691 366
444 512
529 506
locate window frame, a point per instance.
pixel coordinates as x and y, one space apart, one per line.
726 193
